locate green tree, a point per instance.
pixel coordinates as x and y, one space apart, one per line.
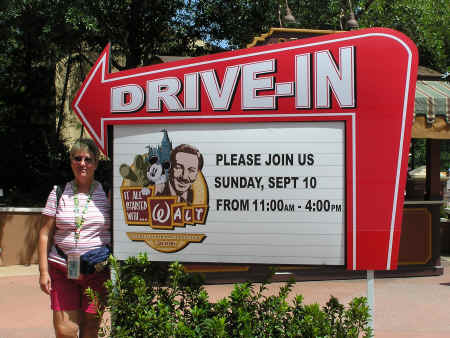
139 31
241 20
424 21
36 36
33 37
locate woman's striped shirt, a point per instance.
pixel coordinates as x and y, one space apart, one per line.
95 231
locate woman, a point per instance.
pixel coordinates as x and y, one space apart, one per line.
75 224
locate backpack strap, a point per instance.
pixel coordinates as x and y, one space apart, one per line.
106 188
59 192
60 252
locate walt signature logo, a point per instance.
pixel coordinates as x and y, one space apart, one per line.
161 212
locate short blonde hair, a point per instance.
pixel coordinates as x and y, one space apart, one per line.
85 144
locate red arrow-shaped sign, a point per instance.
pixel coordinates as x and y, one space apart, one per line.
365 78
214 84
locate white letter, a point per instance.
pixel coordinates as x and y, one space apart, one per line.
341 81
177 216
126 99
251 84
303 81
191 99
199 212
220 96
165 90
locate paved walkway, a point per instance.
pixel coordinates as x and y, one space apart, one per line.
414 307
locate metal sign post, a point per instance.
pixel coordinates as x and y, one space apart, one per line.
371 297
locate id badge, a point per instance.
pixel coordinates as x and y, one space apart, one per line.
73 266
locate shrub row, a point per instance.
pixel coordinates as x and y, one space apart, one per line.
148 299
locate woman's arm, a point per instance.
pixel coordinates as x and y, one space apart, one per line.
45 242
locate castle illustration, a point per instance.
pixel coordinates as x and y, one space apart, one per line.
161 152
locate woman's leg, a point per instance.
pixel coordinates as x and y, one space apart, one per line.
65 303
92 308
66 323
89 325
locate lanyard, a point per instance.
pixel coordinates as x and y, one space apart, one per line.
79 218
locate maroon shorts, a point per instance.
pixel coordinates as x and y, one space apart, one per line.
69 294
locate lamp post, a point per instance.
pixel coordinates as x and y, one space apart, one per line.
289 18
351 23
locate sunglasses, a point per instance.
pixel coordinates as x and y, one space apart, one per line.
87 160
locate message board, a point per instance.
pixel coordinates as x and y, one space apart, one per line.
266 193
361 83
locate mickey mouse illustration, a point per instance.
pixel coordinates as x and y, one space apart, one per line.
156 173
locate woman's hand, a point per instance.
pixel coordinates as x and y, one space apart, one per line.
45 282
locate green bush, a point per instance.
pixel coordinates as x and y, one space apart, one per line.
152 300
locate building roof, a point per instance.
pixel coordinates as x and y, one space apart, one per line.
431 111
432 99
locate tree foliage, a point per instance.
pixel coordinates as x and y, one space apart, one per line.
137 30
241 20
424 21
32 41
36 35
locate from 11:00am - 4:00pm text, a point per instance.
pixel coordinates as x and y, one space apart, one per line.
276 205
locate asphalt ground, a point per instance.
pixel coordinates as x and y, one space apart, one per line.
410 307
